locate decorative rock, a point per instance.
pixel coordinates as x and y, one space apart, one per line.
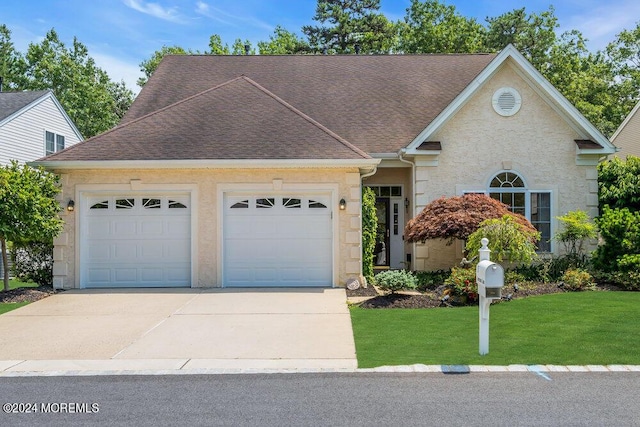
353 284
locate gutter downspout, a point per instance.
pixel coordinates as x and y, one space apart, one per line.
413 196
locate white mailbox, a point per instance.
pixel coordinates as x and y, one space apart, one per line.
490 279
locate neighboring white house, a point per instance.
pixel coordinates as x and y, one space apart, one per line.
33 124
627 137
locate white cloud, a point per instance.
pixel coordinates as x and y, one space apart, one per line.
156 10
119 69
601 24
223 17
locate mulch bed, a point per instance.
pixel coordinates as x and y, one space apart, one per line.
433 298
26 294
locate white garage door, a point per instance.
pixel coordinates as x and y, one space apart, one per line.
136 241
277 240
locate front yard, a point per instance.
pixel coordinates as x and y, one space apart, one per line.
575 328
20 294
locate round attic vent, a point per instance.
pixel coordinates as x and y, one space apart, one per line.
506 101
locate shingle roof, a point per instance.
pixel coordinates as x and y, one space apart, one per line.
11 102
378 103
283 107
235 120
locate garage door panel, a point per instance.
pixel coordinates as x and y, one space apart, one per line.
177 250
98 252
150 275
177 226
150 251
98 227
124 228
125 275
146 245
287 244
151 226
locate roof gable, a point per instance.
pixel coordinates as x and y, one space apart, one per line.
237 119
14 104
535 79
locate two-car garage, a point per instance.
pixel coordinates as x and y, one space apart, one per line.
145 240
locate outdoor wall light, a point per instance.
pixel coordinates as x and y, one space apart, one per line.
71 206
343 204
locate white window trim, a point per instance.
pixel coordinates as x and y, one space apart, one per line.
55 142
527 190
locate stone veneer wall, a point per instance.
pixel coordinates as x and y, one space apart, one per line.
347 181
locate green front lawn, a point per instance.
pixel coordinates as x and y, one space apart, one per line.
8 306
13 284
577 328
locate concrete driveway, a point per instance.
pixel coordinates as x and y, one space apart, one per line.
166 329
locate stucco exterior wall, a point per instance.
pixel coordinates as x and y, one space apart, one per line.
477 143
388 176
344 182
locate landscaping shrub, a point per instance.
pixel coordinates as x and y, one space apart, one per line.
396 280
629 281
430 280
33 262
462 282
509 240
620 231
369 230
512 276
619 183
576 230
576 279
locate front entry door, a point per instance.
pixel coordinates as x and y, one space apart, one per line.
381 257
390 243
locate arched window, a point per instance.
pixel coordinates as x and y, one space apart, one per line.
510 189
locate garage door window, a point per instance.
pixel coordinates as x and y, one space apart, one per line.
292 203
176 205
151 203
100 205
125 203
265 203
316 205
244 204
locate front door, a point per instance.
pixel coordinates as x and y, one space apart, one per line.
389 243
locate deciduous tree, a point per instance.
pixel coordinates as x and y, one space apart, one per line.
283 42
28 208
149 66
85 90
434 27
452 218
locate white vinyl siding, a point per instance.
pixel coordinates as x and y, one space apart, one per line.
22 138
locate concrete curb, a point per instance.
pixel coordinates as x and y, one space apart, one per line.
18 368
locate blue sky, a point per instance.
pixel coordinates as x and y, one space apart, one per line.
121 33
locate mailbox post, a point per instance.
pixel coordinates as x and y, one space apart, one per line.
490 279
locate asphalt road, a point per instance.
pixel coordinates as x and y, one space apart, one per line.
372 399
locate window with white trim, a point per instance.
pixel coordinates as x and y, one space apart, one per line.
53 142
510 189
